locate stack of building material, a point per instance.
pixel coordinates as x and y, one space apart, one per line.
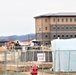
45 65
45 48
19 68
42 64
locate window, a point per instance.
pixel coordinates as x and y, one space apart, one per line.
62 20
45 20
54 20
53 27
66 35
67 27
70 20
46 43
58 35
62 27
66 20
46 35
45 28
54 35
62 35
58 27
39 29
75 35
70 35
75 27
58 20
74 19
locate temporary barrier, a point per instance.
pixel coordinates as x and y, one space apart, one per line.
20 61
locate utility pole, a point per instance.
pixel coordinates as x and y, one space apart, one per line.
56 28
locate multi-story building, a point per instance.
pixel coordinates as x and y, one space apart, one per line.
52 26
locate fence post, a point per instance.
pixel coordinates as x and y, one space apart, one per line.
5 62
69 63
42 64
14 55
25 62
48 56
54 60
33 58
59 61
10 61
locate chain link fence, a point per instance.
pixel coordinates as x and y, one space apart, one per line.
20 62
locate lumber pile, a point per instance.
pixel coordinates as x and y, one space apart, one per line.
20 68
45 65
45 48
42 64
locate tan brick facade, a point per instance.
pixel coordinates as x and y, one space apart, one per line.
53 26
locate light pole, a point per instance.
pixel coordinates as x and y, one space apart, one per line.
56 28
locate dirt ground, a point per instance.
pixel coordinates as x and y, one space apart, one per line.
49 73
40 71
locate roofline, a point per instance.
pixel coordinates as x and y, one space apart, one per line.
56 16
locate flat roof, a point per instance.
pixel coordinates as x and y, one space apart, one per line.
60 14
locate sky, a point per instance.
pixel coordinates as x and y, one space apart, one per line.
17 16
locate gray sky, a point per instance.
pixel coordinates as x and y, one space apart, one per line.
17 16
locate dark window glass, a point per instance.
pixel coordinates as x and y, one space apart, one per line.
58 27
74 19
58 35
75 35
45 35
45 20
45 28
66 35
66 20
53 20
66 27
54 27
74 27
39 29
62 20
62 27
70 35
54 35
70 20
62 35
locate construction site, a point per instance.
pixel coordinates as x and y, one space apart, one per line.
49 60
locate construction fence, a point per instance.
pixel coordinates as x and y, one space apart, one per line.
20 62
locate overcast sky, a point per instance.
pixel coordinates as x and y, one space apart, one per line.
17 16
